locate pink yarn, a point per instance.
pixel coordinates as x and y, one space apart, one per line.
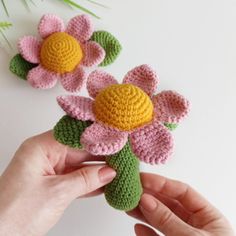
97 81
77 107
144 77
94 54
152 143
81 28
50 24
41 79
170 107
29 48
101 140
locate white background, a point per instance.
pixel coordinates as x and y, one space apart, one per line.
192 45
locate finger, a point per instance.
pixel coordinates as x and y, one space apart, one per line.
175 206
76 156
94 193
86 180
137 214
142 230
188 197
162 218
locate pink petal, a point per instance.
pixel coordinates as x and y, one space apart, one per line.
29 48
80 108
81 28
170 107
40 78
50 24
143 77
100 140
97 81
153 143
94 54
73 81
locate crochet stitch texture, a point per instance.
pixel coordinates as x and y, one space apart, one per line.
129 122
63 53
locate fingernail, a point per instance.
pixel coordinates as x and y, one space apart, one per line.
106 174
148 203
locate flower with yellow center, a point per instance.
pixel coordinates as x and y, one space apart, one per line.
123 106
62 53
128 111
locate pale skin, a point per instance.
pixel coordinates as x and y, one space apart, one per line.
44 177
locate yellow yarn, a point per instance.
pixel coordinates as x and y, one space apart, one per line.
123 106
60 53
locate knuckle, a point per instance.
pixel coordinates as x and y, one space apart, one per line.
165 219
84 179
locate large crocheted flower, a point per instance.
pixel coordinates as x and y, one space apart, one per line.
127 110
62 53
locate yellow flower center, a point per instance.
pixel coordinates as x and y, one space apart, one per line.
123 106
60 53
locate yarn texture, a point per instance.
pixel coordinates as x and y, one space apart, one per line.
110 44
128 122
20 66
124 192
62 53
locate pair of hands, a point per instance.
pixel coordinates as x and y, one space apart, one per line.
44 177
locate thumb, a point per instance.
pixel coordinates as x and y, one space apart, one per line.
87 179
162 218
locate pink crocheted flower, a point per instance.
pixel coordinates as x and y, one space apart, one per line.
62 53
127 111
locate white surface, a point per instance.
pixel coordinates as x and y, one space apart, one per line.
192 45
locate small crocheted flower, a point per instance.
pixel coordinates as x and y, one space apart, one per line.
63 52
127 111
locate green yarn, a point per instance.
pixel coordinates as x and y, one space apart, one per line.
124 192
20 67
69 130
110 44
170 126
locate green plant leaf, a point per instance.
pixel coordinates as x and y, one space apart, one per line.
20 67
69 130
5 7
3 26
170 126
74 4
110 44
124 192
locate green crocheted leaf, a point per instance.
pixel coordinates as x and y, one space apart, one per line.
110 44
124 192
170 126
20 67
69 130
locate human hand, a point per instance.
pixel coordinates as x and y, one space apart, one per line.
43 178
175 209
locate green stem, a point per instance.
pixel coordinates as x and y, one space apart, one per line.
80 7
5 7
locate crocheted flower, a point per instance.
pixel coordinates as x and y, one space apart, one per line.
63 53
127 110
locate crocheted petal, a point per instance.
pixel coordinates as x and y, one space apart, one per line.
153 143
100 140
97 81
170 107
144 77
73 81
29 47
94 54
77 107
50 24
41 78
81 28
